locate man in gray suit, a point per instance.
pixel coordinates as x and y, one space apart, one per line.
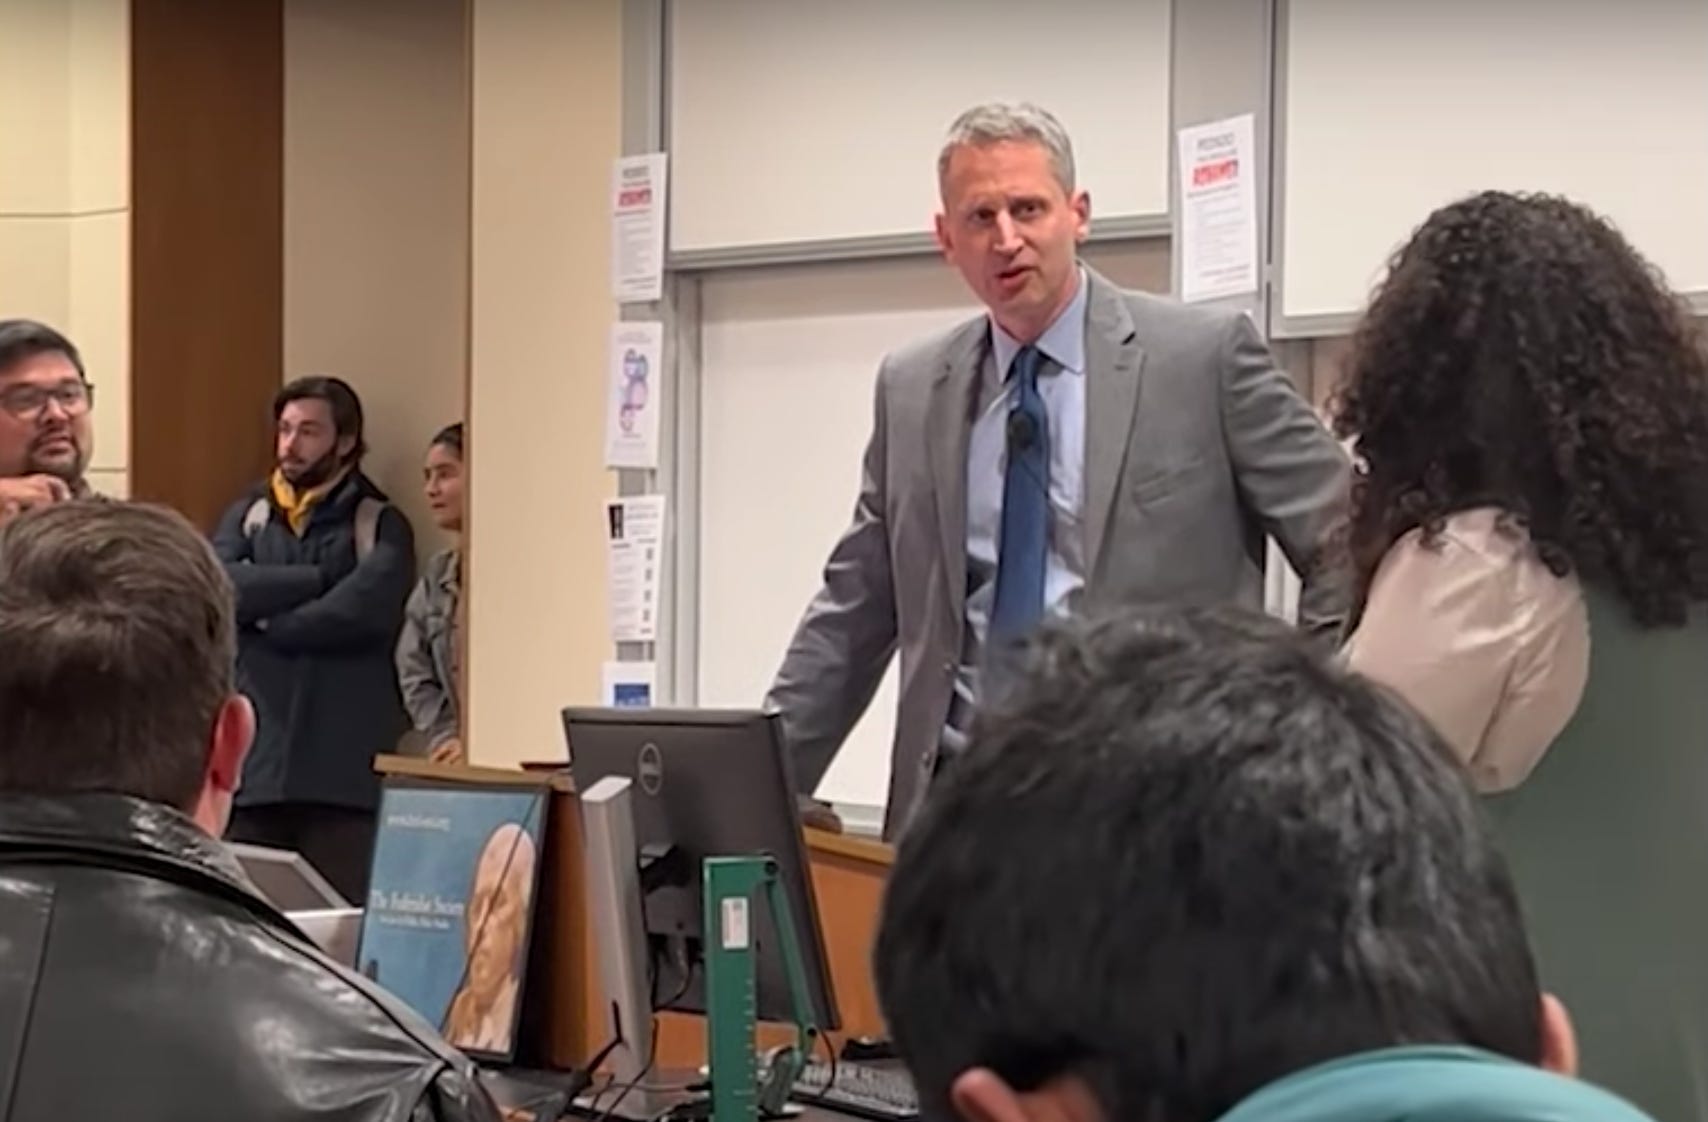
1079 446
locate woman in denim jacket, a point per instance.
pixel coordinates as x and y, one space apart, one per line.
428 667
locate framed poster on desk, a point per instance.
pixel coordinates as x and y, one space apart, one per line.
451 906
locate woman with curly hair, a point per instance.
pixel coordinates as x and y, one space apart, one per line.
1528 534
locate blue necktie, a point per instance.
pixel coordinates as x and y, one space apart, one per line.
1023 548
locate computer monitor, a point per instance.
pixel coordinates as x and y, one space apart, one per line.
334 930
286 879
705 783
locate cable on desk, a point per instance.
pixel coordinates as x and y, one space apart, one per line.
640 1077
651 1056
829 1050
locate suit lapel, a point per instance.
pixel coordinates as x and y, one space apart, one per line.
951 416
1114 362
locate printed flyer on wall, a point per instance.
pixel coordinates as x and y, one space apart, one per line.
1218 201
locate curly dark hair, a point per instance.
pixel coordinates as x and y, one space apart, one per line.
1521 354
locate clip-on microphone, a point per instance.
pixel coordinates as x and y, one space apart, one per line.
1022 431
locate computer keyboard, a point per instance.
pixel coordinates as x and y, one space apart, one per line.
882 1094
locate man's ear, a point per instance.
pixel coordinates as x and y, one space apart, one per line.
233 734
1081 203
1559 1039
981 1095
228 746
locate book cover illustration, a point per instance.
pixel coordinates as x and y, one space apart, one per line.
450 907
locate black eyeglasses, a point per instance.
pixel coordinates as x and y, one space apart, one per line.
26 403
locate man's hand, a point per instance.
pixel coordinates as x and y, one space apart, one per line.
29 492
817 815
448 752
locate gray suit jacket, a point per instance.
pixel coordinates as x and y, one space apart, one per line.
1196 448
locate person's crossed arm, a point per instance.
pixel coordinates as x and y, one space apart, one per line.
303 608
362 608
263 591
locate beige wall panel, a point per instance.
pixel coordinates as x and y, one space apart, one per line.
99 107
376 219
547 104
35 106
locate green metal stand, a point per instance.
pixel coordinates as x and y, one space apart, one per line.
732 999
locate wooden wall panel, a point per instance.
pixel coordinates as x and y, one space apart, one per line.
207 144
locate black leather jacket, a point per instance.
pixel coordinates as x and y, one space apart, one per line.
142 978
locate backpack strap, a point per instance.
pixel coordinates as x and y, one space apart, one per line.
368 513
255 519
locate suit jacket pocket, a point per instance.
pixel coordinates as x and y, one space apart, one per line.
1157 481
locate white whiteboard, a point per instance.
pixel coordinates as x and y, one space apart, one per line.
1393 109
808 120
788 359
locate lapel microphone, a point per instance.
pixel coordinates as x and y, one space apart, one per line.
1022 431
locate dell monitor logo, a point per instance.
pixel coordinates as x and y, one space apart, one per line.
649 769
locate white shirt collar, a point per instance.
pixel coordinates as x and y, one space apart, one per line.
1063 341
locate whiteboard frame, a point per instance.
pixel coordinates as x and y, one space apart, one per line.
815 250
1323 324
875 246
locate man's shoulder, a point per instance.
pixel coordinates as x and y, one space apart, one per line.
128 932
319 1002
260 492
366 488
925 356
1156 316
331 1007
259 489
373 506
321 991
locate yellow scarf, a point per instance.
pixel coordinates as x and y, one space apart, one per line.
298 505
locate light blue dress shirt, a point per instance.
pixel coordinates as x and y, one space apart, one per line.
1061 383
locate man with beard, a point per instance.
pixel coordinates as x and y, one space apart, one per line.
323 566
45 432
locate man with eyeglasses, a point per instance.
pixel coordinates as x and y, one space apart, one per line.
45 432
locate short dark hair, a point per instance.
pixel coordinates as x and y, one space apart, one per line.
1186 857
117 650
22 339
339 396
451 436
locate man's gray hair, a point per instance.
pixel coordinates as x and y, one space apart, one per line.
998 121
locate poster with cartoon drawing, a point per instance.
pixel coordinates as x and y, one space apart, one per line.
631 421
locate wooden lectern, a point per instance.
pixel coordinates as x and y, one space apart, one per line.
566 1017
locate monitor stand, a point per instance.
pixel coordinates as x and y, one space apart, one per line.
619 938
733 888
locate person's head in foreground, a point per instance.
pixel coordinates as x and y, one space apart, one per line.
1189 866
117 641
141 973
1521 354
